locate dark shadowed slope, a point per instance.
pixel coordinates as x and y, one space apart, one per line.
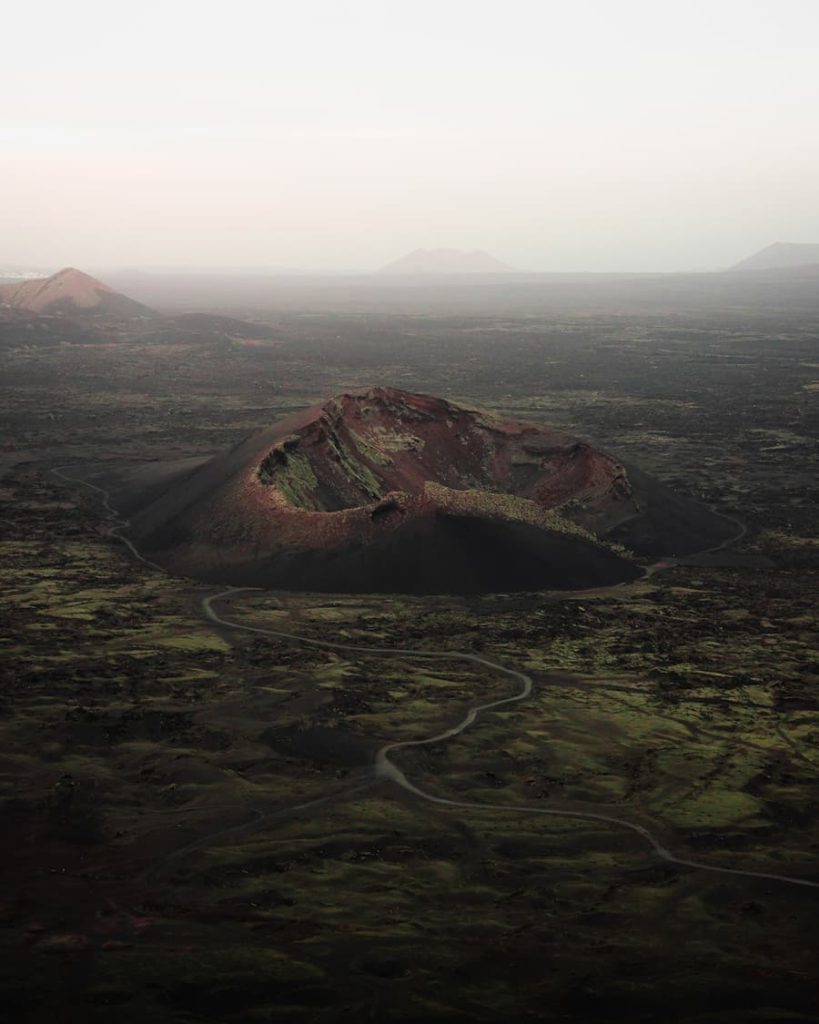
444 554
20 328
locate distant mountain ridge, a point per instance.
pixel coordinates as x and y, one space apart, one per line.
71 291
780 256
447 261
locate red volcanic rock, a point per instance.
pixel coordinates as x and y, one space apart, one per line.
70 290
383 490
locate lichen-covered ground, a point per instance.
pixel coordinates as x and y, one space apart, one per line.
154 867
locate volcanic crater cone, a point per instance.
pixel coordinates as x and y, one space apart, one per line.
380 490
71 291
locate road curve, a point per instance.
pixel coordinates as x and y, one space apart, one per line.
384 766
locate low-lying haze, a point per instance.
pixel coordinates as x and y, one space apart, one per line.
340 135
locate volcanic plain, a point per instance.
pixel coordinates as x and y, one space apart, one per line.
193 830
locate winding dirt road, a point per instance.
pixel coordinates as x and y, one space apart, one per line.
384 767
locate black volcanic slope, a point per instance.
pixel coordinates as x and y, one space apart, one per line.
384 491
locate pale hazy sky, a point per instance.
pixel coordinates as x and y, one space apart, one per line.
580 135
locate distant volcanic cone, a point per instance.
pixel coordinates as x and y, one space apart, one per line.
71 291
384 491
447 261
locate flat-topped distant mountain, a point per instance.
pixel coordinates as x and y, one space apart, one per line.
71 291
782 255
381 490
447 261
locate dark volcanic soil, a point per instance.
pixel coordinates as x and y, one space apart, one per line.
131 729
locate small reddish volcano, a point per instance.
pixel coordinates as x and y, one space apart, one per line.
70 291
382 490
